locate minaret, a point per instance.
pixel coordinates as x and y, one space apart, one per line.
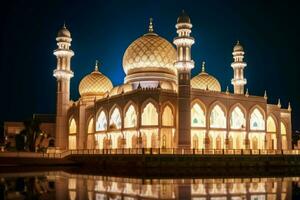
238 66
63 74
184 64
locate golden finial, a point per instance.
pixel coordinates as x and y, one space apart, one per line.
151 30
237 42
247 93
227 90
290 107
97 65
265 95
203 66
279 103
64 26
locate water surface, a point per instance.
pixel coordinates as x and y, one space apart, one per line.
64 185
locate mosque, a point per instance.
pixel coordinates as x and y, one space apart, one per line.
160 105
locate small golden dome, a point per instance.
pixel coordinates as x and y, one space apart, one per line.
94 84
183 18
204 81
150 53
238 47
64 32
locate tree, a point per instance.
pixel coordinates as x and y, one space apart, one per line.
31 131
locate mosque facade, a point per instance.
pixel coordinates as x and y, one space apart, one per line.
160 105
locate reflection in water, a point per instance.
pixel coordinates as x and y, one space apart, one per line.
62 185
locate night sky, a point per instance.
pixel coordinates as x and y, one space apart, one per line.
268 30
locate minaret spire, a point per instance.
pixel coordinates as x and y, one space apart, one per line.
290 107
97 65
151 29
203 67
265 95
184 64
279 103
238 66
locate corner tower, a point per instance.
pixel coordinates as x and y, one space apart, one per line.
184 64
238 66
63 74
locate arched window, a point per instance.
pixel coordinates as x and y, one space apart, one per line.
130 117
101 124
150 116
271 126
282 128
237 119
197 116
90 136
217 118
115 119
72 127
91 126
257 121
72 134
167 117
195 142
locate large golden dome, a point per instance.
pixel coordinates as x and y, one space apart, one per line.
149 53
94 84
204 81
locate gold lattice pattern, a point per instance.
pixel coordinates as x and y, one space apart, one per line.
205 81
152 51
95 84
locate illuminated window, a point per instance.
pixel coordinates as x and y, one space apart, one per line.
282 128
257 121
150 116
237 119
197 116
72 136
167 117
101 123
91 126
217 118
271 127
72 127
130 117
115 119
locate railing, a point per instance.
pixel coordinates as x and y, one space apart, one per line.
150 151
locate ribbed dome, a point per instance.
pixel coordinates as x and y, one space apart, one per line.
149 53
64 32
94 84
205 81
183 18
238 47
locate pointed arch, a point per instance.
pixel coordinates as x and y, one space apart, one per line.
90 128
257 119
130 120
115 120
72 126
217 117
72 142
149 113
237 117
271 124
101 123
198 114
167 116
282 128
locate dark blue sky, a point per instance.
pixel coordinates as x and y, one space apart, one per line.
268 30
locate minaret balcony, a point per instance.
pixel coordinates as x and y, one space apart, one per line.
184 41
63 74
182 65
